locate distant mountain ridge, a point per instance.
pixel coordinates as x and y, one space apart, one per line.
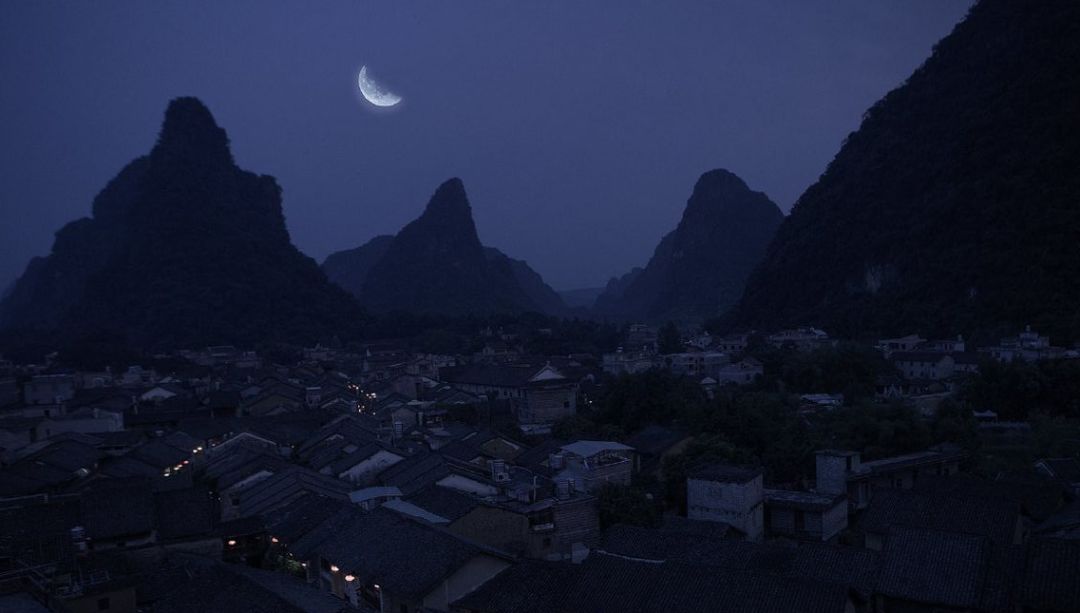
182 248
698 270
436 264
955 207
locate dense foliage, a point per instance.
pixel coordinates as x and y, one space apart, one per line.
762 424
699 269
1023 390
436 264
953 209
183 249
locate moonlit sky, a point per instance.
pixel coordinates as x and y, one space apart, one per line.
578 128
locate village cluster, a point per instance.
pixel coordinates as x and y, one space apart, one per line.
380 479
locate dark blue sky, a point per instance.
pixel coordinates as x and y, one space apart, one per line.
578 128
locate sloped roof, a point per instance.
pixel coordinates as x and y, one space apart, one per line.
725 473
1066 469
963 514
191 583
934 567
611 583
587 449
286 486
159 454
492 375
1051 576
185 513
115 508
301 516
444 501
68 455
1038 498
402 555
835 564
655 439
415 472
529 586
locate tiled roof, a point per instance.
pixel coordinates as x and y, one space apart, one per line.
917 356
725 473
612 583
1051 576
933 567
1066 469
850 566
490 375
116 508
303 515
415 473
190 584
444 502
530 586
185 513
402 555
797 499
1037 498
284 487
996 520
159 454
655 440
68 455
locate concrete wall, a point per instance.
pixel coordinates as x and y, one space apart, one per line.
467 485
576 521
834 521
738 504
545 405
498 528
831 474
115 601
470 576
363 473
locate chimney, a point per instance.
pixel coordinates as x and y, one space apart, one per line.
399 430
563 489
557 461
832 469
78 539
498 470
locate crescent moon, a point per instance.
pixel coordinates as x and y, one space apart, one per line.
373 93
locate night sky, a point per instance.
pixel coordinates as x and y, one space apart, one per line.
578 128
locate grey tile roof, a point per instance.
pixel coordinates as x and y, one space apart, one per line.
810 501
725 473
1037 498
1051 575
654 440
67 455
186 513
529 586
996 520
116 508
615 584
444 502
159 454
834 564
415 473
270 494
190 583
933 567
402 555
490 375
293 521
